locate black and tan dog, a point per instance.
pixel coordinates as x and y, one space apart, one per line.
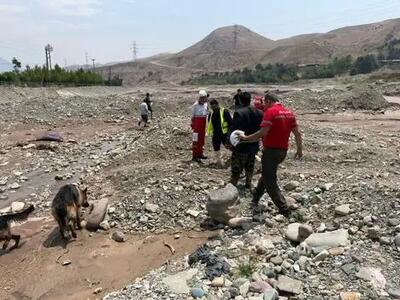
66 208
5 227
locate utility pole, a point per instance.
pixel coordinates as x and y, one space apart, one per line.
48 49
93 60
235 36
87 60
109 75
65 63
134 51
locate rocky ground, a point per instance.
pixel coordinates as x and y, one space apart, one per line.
347 185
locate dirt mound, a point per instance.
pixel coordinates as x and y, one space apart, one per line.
355 98
366 98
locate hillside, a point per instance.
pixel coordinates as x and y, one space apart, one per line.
224 48
320 48
236 47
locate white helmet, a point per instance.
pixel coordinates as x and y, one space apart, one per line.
203 93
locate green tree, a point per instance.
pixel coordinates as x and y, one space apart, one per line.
17 64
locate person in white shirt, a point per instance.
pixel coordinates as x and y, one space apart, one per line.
198 124
144 113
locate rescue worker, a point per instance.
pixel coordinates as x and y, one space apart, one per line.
277 124
219 124
248 120
236 99
148 102
198 124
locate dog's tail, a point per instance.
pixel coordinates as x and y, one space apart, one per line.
20 215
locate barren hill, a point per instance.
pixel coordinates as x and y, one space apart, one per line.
224 48
319 48
236 47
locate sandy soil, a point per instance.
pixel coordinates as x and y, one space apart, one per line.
35 270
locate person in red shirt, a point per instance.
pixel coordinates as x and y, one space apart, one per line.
277 124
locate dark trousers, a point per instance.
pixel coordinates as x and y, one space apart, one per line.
270 161
240 161
217 140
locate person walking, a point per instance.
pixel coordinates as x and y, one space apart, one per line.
219 124
277 125
236 99
248 120
144 113
149 104
198 124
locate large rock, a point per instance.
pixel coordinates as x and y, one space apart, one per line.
350 296
17 206
329 239
239 222
220 205
305 231
374 276
342 210
177 283
289 285
292 232
97 215
292 185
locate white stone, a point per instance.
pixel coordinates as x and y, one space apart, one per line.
329 239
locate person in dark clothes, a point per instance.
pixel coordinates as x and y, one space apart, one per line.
148 102
248 120
278 122
219 124
236 99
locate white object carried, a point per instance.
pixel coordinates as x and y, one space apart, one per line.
235 137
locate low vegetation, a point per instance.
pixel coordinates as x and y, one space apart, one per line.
41 76
282 73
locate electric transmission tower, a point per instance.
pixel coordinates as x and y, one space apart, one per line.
235 36
48 49
87 60
134 51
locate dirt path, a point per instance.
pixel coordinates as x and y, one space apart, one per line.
387 123
35 271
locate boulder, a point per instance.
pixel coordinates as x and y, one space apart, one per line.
220 205
97 214
292 232
177 283
374 276
289 285
350 296
17 206
305 231
152 208
292 185
239 222
342 210
118 236
330 239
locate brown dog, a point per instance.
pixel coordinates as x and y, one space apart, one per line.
66 208
5 227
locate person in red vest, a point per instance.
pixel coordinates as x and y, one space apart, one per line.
199 121
277 124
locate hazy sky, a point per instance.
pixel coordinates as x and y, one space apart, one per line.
105 29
